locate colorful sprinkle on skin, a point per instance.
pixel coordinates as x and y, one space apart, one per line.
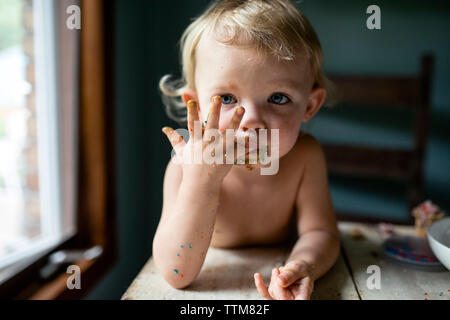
175 270
189 245
181 246
178 254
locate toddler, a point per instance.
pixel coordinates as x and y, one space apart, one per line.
249 66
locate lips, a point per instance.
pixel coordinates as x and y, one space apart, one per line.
246 146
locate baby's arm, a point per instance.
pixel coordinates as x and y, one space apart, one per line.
190 203
319 241
188 217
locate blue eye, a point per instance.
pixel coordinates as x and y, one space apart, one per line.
279 98
228 99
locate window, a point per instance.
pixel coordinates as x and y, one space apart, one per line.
54 142
31 216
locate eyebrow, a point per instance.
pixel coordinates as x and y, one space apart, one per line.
288 83
282 83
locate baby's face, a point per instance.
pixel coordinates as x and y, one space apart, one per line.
274 93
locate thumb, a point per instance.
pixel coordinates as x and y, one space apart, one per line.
291 273
175 139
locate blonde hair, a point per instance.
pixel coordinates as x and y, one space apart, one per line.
275 27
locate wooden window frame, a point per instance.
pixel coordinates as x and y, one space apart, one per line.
95 201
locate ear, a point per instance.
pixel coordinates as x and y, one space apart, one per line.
315 101
189 94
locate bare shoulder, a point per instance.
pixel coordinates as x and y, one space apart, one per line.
307 149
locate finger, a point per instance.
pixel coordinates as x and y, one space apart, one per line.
192 116
233 125
292 272
262 289
175 139
279 292
236 119
304 289
214 113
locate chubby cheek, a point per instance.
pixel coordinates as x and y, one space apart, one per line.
225 117
224 121
288 134
288 138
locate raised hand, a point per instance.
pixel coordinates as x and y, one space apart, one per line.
186 150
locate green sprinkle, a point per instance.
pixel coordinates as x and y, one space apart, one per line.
181 246
175 270
189 245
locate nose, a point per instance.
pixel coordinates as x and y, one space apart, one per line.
253 117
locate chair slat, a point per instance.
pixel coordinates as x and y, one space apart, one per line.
378 91
365 161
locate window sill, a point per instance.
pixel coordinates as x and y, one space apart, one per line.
56 289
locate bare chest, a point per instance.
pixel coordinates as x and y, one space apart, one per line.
260 213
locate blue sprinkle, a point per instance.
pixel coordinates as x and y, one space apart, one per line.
176 271
189 245
178 254
181 246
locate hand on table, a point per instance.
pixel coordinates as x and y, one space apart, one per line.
290 282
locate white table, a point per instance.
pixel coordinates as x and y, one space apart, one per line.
227 274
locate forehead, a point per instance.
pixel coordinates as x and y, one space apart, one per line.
216 61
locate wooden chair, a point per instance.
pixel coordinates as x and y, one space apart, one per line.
407 165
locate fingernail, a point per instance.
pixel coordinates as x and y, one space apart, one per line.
164 129
216 99
240 111
191 103
186 97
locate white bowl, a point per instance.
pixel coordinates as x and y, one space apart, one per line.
439 239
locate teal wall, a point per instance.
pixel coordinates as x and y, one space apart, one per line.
136 218
146 37
409 29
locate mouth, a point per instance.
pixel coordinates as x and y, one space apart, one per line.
252 149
